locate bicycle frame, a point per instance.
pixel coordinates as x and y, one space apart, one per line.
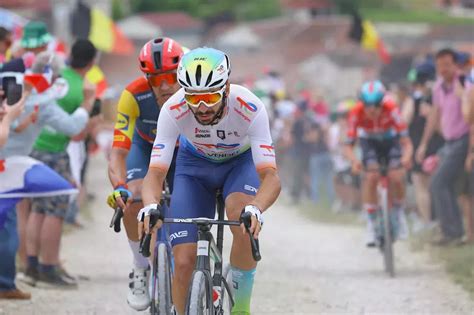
208 249
387 245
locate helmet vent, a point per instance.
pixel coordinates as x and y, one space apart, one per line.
209 77
157 57
188 80
216 83
198 75
183 83
175 60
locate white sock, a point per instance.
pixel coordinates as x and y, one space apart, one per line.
138 260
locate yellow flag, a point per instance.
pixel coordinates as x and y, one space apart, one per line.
370 37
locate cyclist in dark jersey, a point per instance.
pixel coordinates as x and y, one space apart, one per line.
135 130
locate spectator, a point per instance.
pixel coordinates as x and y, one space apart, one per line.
415 113
345 183
46 220
447 93
43 107
299 153
468 113
5 43
8 114
320 161
35 37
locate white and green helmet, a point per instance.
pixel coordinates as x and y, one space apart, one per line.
203 68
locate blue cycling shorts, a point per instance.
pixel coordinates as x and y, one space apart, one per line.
138 160
195 184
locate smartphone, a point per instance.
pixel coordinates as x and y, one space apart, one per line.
12 91
96 109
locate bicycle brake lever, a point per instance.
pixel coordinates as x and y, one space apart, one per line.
145 245
254 244
118 214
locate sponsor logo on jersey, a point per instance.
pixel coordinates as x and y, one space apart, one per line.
148 121
221 134
142 97
218 146
197 130
269 148
241 115
122 122
178 107
158 147
247 106
182 114
119 138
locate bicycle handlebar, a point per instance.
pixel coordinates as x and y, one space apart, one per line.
145 241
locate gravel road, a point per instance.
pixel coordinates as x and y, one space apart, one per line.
307 268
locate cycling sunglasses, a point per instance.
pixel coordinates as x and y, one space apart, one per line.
209 99
156 79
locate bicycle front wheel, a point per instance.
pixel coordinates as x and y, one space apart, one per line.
161 287
227 292
199 296
387 235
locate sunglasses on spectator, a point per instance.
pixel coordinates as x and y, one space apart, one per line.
157 79
208 98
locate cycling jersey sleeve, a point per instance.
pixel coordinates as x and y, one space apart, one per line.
127 113
263 152
165 141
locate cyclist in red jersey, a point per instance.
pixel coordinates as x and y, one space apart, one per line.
376 122
135 129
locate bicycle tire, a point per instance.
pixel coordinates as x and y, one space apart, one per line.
161 296
387 235
225 297
199 296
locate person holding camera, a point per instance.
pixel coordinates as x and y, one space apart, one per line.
46 220
8 114
40 110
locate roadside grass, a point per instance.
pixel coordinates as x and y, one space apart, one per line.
458 260
322 213
414 16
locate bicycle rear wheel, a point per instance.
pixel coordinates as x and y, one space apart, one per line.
200 296
387 235
161 296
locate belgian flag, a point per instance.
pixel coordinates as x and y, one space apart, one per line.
364 33
93 24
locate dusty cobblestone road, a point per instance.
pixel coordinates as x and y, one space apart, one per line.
307 268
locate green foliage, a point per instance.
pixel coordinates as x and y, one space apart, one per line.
414 16
241 10
117 10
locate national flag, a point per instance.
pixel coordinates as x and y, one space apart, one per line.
24 177
97 77
40 81
93 24
364 32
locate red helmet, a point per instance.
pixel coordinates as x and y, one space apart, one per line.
160 55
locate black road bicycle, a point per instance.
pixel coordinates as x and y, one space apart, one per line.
210 291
